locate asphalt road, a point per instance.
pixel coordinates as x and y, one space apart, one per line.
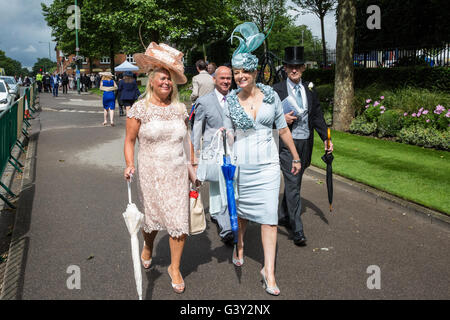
73 218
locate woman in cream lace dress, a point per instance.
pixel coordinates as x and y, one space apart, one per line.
159 122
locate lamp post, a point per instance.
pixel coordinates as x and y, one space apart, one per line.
77 49
49 55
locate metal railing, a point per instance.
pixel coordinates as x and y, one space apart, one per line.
12 122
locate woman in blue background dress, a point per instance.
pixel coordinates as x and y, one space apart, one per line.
107 85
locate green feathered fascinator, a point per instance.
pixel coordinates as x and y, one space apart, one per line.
250 41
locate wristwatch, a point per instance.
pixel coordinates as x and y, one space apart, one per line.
296 161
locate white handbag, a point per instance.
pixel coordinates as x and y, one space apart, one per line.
211 160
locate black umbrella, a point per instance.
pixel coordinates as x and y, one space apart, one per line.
328 159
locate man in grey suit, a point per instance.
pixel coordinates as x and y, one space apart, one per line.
209 116
201 83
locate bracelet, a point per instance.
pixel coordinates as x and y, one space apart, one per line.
296 161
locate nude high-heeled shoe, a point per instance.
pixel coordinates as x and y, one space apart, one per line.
177 287
274 291
146 263
237 262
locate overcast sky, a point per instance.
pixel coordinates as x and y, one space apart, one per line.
22 28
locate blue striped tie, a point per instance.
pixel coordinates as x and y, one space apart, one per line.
298 96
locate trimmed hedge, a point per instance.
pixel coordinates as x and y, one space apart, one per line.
426 137
433 78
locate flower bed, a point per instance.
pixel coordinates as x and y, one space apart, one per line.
427 127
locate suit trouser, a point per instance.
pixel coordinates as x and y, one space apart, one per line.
218 211
39 83
55 90
291 205
64 88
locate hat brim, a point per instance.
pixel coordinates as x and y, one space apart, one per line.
148 63
293 62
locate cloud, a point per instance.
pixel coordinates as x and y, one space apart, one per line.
21 30
30 49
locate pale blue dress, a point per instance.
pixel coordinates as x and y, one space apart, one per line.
255 151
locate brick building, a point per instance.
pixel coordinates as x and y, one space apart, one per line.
67 64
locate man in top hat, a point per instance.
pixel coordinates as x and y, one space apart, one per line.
302 122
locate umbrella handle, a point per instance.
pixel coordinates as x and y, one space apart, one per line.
329 138
129 188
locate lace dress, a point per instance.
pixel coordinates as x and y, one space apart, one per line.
162 171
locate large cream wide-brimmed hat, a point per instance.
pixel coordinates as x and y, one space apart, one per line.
106 74
164 56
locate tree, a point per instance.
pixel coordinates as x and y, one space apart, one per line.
320 8
261 12
343 84
286 34
128 26
12 67
43 63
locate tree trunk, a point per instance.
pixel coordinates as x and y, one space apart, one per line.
111 55
343 83
324 46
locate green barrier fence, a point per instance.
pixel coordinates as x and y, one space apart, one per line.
11 128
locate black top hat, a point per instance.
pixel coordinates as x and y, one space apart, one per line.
293 55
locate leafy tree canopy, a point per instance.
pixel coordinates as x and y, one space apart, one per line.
12 67
45 64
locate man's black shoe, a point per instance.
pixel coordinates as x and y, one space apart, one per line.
299 239
228 239
284 223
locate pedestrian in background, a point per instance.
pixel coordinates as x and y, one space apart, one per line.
129 91
159 121
54 83
92 81
202 83
39 78
108 86
46 81
211 68
65 82
71 82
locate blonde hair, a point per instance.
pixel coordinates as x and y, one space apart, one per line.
106 78
174 97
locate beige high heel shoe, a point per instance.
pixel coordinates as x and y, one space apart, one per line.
237 262
274 291
146 263
177 287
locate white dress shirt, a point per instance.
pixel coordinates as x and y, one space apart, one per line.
220 98
291 90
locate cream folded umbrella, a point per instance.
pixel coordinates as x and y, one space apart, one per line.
134 220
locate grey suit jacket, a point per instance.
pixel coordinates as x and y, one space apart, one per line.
201 85
208 119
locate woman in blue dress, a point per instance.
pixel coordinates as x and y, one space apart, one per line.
251 113
108 86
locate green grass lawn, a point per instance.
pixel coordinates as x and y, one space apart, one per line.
410 172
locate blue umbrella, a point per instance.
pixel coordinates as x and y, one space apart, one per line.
228 170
